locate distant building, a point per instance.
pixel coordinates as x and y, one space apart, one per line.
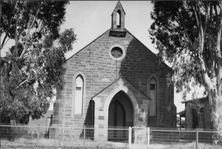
115 81
197 114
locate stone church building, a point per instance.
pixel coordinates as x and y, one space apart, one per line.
115 81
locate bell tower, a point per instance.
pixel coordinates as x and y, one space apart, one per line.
118 21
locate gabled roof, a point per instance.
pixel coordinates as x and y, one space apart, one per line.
126 81
88 45
148 49
196 99
118 6
126 32
182 113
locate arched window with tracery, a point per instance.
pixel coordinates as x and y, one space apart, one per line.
78 93
153 96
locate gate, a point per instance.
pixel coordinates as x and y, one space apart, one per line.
139 137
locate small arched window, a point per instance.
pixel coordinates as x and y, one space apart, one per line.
118 19
153 96
79 89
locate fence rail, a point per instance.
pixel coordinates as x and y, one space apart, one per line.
17 135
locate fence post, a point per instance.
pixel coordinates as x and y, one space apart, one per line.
197 138
148 137
38 133
84 136
130 137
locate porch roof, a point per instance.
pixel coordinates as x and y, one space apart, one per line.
182 113
196 99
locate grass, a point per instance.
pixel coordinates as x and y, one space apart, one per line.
193 146
43 143
24 143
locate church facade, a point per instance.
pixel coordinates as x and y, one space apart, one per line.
115 81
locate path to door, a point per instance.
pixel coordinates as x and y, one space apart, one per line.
139 146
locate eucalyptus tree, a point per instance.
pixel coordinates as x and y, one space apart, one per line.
188 35
34 65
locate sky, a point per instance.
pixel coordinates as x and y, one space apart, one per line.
90 19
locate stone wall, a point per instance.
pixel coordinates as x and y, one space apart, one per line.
99 70
206 118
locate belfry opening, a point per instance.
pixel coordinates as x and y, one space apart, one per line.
120 116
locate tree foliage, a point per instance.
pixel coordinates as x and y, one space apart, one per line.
33 67
188 35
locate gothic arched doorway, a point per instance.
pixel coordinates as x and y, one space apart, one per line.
120 117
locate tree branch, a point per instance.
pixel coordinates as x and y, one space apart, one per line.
195 14
3 42
28 32
218 53
206 16
205 77
10 15
39 24
215 10
218 50
22 83
16 29
211 9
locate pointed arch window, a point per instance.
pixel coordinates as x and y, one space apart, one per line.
118 19
153 96
79 92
